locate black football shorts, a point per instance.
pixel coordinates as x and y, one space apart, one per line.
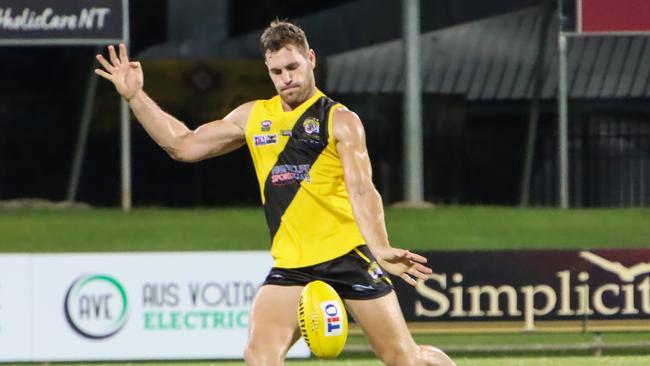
355 275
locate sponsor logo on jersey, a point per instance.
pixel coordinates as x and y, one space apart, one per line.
288 173
265 125
332 314
266 139
311 126
375 271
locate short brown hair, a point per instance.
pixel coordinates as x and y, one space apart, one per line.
281 33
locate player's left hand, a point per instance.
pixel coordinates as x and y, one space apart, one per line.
404 264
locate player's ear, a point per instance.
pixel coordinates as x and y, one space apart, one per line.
311 57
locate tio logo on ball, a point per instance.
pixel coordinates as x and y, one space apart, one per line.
333 322
96 306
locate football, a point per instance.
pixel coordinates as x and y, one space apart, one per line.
322 320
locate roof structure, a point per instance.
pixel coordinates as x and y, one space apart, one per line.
493 59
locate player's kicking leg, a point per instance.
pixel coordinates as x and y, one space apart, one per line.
383 323
273 325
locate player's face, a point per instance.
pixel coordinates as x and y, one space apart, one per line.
292 74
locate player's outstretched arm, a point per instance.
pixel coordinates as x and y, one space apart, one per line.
366 202
181 143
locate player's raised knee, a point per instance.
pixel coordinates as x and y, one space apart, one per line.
432 356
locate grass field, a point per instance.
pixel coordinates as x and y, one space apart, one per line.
442 228
93 230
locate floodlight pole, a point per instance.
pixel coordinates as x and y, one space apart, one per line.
125 120
413 182
125 133
82 139
563 151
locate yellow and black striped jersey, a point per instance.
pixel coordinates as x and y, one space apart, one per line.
301 180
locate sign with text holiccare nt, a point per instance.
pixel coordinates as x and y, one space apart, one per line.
63 21
528 290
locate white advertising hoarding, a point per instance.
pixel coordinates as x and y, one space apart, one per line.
15 316
140 306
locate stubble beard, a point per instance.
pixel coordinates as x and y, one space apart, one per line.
299 95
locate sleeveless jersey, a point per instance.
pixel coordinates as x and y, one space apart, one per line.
301 180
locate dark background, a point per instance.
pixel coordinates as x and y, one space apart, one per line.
41 99
473 150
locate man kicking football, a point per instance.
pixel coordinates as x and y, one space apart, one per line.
324 214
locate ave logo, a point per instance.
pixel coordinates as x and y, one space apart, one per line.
96 306
333 321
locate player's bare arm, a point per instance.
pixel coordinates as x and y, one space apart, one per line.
366 202
209 140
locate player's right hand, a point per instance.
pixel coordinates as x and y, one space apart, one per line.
126 76
403 264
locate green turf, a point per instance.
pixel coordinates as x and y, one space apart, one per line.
139 230
501 227
558 361
27 230
614 343
443 340
486 361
